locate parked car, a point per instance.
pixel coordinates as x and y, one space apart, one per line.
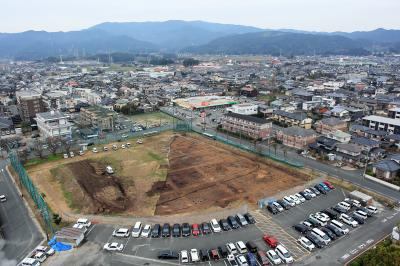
194 255
330 186
300 197
348 220
284 204
308 224
251 258
168 255
284 254
301 228
114 246
316 220
224 224
333 229
344 205
318 243
251 246
273 257
306 243
3 198
215 226
353 202
137 228
166 230
363 215
156 231
184 256
241 259
241 247
203 254
295 199
278 206
320 189
206 228
371 210
146 231
195 230
270 241
176 230
339 209
315 191
214 254
231 248
310 192
329 233
289 201
250 219
185 229
331 213
272 209
233 223
223 251
262 258
338 225
232 261
321 236
46 250
241 220
325 187
121 232
305 195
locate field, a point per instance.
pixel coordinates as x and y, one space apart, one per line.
167 174
151 118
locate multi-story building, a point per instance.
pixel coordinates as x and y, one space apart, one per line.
380 123
98 118
243 109
53 124
394 113
296 137
292 119
30 103
330 125
252 127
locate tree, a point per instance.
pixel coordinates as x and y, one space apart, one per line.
66 144
275 146
23 155
57 218
38 148
25 127
190 62
52 143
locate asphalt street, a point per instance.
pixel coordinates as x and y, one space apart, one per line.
20 232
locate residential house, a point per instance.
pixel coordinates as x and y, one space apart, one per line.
330 125
296 137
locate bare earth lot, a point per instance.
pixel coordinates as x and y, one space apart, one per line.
167 174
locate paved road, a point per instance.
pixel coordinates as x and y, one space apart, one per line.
20 232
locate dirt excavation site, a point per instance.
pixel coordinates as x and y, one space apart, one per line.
167 174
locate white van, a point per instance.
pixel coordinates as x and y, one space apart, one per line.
85 222
284 254
241 247
137 229
215 226
29 262
40 256
231 248
321 236
339 226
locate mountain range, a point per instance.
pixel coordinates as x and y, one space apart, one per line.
196 37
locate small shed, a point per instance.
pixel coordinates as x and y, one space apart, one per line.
361 197
70 236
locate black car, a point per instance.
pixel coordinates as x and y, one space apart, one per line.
223 251
249 218
313 222
185 229
224 224
205 227
176 230
168 255
233 223
203 255
301 228
320 189
156 231
337 232
339 209
305 195
327 231
166 230
272 209
316 191
331 213
283 204
358 219
251 247
318 243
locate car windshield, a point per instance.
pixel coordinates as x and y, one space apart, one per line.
274 256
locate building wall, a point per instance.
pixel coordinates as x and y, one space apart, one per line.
29 107
247 128
297 142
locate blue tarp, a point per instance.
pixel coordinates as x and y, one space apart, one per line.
58 246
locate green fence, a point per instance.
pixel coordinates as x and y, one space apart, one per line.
33 192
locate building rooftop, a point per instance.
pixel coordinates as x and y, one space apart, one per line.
383 119
52 115
298 131
253 119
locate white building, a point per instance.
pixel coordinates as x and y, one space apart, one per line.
243 109
53 124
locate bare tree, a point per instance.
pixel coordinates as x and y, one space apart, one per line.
38 148
66 144
52 143
23 155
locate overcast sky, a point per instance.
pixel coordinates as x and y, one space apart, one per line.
315 15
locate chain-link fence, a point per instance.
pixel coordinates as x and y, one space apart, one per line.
37 198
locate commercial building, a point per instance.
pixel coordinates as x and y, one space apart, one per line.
98 118
29 103
249 126
243 109
296 137
205 102
53 124
380 123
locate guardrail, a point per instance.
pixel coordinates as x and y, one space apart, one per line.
384 183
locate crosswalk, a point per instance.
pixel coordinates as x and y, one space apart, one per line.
268 226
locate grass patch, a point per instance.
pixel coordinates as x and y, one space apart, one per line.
37 161
151 118
155 156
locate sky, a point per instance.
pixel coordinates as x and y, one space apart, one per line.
312 15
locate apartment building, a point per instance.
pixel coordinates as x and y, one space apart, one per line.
296 137
330 125
380 123
252 127
98 118
53 124
292 119
29 103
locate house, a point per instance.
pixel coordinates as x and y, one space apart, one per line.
386 169
296 137
341 112
292 119
330 125
53 124
365 143
339 136
252 127
348 152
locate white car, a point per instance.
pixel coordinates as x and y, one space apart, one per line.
114 246
3 198
215 226
85 222
306 243
314 218
273 257
278 206
361 214
105 148
81 153
241 259
29 262
71 154
65 156
289 201
146 231
295 199
121 232
311 193
300 197
48 251
284 254
344 205
322 216
194 255
123 146
372 209
306 223
184 256
94 150
348 220
139 141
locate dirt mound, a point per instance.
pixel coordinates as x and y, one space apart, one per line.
106 192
